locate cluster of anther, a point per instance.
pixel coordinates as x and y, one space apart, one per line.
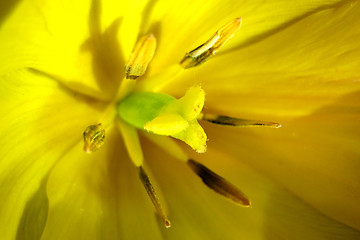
161 114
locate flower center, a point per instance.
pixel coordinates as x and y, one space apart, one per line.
162 114
156 113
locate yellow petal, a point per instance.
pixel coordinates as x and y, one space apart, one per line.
132 143
34 215
70 41
291 73
35 115
315 156
187 24
199 213
133 12
99 196
300 71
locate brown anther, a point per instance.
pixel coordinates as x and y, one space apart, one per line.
140 57
200 54
94 136
153 196
237 122
219 184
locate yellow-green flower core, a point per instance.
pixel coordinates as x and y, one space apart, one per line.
164 115
157 113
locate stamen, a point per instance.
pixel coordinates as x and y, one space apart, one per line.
168 145
94 136
237 122
154 198
140 57
200 54
219 184
127 86
158 81
132 142
133 146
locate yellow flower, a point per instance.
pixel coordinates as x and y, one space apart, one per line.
293 62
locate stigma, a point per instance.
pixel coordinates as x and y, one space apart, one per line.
165 115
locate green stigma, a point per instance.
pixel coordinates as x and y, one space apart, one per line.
163 114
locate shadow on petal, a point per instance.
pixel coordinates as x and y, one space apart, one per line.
34 216
107 59
297 220
198 213
281 27
315 156
6 7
